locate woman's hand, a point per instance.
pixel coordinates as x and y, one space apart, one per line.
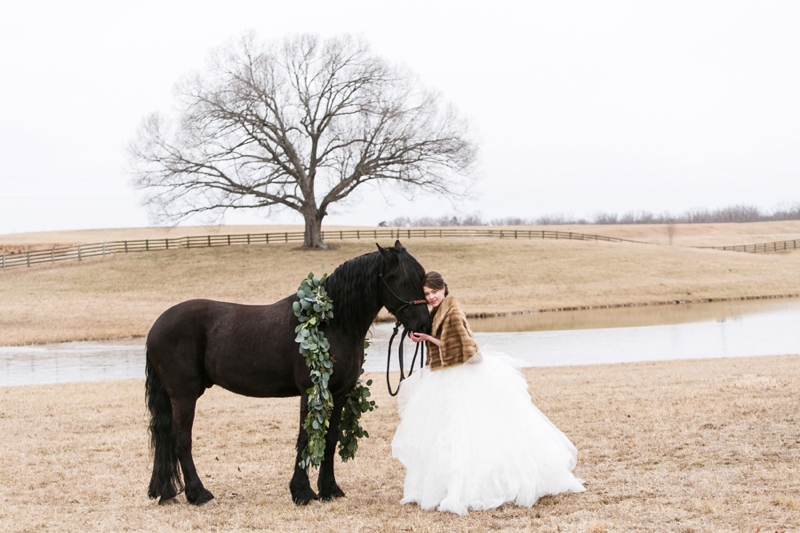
420 337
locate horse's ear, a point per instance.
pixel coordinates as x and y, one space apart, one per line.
398 245
386 254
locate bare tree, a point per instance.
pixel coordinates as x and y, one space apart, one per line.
298 124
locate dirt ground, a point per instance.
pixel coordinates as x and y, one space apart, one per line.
683 446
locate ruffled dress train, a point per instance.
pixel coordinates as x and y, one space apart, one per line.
471 439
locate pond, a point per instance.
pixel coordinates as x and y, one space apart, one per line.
598 336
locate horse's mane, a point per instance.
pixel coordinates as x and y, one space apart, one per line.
354 287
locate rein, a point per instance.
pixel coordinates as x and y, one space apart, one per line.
418 349
406 303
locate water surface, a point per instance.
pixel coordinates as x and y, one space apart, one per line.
597 336
630 334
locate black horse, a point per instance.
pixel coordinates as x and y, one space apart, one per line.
250 350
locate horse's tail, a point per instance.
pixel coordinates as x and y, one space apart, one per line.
166 479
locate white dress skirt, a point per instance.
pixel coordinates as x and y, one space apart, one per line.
471 439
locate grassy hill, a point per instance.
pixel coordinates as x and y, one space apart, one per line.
121 296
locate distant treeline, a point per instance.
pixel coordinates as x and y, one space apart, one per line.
735 213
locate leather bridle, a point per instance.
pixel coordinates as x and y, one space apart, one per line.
406 303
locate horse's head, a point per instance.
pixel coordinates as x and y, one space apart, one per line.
401 290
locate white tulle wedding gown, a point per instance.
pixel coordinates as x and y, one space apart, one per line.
471 439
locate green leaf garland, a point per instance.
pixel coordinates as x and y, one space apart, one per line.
313 308
356 403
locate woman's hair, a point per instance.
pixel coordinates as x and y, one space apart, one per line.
434 280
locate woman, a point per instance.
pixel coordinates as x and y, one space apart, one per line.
469 436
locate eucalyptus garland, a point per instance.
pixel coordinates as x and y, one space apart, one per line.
356 403
313 308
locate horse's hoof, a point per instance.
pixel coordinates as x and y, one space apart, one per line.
303 498
336 493
170 501
209 504
199 497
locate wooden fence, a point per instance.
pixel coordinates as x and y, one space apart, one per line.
764 247
82 251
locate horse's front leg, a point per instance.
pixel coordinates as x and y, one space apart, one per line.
326 483
299 486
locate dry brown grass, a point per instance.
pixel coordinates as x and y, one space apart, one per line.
684 446
121 296
693 234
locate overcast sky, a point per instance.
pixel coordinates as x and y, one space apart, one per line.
580 106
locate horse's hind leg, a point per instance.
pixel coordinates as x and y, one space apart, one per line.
326 483
165 483
183 419
299 486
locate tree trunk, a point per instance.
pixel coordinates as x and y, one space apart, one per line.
313 234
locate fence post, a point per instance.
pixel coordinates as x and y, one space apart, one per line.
266 240
248 238
79 252
104 250
229 239
53 254
209 240
147 245
126 247
28 258
286 237
166 243
4 261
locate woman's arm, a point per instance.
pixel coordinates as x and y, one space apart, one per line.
420 337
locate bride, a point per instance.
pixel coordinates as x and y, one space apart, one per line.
470 437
